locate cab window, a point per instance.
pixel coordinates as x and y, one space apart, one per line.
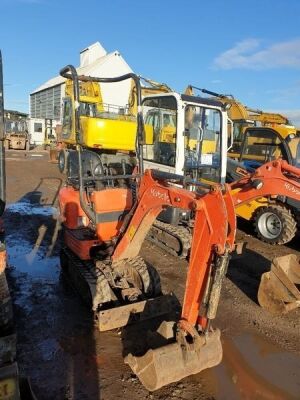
261 146
67 117
202 142
160 114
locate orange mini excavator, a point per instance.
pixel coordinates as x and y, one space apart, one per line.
108 206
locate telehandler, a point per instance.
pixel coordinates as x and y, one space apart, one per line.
108 206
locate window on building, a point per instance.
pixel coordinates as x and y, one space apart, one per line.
38 127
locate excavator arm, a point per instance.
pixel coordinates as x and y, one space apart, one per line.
213 232
195 345
276 178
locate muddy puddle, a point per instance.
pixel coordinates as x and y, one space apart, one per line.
254 369
32 254
27 208
26 259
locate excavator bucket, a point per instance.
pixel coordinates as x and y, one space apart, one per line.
175 361
121 316
279 288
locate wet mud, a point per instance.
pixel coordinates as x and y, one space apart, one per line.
67 358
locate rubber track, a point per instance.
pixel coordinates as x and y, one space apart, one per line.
90 274
181 234
84 270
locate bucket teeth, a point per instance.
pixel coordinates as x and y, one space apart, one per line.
173 362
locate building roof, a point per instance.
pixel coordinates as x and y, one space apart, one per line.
84 69
16 113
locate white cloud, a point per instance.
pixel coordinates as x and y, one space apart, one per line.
293 116
250 54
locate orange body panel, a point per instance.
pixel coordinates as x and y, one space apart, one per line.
81 247
70 208
110 206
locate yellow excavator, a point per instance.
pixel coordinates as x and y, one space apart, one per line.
257 138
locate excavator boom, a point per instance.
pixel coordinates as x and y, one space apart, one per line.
195 346
276 178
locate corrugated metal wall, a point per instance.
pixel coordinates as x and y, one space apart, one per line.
46 103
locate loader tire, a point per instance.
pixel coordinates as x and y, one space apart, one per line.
63 161
275 224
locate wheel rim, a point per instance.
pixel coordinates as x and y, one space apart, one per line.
270 225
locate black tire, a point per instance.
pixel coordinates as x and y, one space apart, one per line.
63 161
275 224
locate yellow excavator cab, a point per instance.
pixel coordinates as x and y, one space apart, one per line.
98 121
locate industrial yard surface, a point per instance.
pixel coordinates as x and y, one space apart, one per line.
67 358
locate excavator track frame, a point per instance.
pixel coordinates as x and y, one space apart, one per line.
161 233
84 277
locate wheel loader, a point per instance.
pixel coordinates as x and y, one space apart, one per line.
16 133
260 137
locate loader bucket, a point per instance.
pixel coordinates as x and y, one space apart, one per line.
174 362
279 288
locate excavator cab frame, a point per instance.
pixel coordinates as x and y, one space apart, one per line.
184 107
197 150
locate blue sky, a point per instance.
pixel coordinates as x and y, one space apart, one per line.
249 49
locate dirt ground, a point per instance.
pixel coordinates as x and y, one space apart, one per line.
67 358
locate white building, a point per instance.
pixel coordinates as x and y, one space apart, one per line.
46 101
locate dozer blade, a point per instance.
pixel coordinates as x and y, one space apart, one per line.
278 292
118 317
173 362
